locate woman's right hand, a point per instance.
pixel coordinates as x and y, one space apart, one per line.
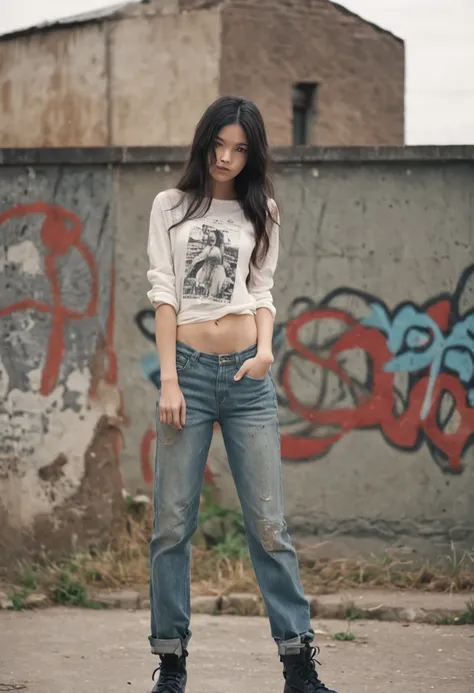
172 405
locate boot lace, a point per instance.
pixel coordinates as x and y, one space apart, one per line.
171 675
307 670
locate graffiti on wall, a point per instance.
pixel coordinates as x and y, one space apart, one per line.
350 363
60 234
56 337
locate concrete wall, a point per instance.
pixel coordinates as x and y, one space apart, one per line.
373 343
53 89
60 407
359 69
164 74
142 78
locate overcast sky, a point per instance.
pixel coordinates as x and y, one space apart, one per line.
439 36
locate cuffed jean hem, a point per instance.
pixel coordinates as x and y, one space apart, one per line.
295 645
163 647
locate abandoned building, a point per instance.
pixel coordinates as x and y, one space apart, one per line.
142 73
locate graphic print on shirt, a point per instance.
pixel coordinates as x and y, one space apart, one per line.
211 261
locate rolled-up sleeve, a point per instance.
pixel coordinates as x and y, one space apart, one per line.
261 278
161 273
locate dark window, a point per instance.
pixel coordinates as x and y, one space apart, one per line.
304 111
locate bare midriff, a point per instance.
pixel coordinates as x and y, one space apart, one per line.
225 336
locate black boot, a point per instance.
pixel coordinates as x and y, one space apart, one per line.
300 672
173 675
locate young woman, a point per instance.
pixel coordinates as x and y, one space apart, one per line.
214 337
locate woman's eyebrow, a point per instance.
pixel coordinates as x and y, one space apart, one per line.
238 144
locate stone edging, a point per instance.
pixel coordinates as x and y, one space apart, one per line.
332 606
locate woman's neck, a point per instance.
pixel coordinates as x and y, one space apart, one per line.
223 191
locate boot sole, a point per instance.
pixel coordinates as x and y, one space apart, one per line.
290 689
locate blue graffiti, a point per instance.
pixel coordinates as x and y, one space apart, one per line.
418 343
150 367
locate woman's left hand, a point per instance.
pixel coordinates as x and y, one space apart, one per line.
257 367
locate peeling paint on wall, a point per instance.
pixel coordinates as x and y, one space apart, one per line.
58 370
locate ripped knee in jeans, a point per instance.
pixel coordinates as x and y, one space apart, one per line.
270 532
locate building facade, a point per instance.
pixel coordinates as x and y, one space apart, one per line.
141 75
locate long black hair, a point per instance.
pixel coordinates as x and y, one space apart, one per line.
253 185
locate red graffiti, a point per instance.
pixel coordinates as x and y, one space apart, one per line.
146 452
60 233
110 374
377 406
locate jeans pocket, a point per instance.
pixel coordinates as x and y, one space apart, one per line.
182 362
255 380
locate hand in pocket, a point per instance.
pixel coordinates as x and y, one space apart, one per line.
256 368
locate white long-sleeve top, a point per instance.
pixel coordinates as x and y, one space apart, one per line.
202 267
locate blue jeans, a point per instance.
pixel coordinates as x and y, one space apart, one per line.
248 417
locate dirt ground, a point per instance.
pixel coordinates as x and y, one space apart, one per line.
59 650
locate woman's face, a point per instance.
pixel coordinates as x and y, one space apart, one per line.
211 239
231 150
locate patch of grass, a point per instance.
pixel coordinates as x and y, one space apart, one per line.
220 564
28 580
17 598
344 637
71 591
445 622
27 585
221 529
469 614
232 546
322 575
210 509
455 567
353 613
465 619
68 590
129 502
